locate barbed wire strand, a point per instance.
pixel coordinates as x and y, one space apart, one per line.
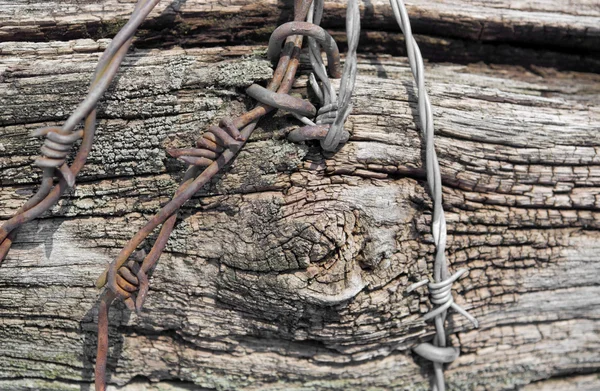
187 192
60 140
124 277
440 289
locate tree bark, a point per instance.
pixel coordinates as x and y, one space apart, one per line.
289 271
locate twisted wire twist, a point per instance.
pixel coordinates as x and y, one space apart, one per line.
440 289
59 140
56 148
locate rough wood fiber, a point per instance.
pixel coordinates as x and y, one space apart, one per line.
545 33
288 272
531 21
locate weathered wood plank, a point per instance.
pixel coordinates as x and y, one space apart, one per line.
460 30
288 273
550 23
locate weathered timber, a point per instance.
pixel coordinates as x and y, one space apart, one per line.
289 271
560 34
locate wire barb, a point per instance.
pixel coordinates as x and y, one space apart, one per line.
441 296
56 148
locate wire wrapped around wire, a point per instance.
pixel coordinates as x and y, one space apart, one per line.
335 109
440 288
55 150
59 140
317 38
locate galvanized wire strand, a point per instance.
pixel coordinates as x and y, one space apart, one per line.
335 109
59 140
344 106
326 94
440 288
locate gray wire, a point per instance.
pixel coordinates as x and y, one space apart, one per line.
336 131
440 289
326 94
334 110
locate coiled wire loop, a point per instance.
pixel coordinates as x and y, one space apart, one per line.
56 148
314 31
132 282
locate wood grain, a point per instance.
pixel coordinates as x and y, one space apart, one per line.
289 271
564 35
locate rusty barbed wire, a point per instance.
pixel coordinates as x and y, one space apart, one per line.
59 140
126 279
216 151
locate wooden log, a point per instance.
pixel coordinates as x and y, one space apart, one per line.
564 35
289 271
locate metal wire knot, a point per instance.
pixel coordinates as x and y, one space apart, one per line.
441 295
301 109
328 127
211 144
55 150
321 128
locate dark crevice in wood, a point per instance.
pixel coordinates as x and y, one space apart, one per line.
571 373
433 48
461 41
